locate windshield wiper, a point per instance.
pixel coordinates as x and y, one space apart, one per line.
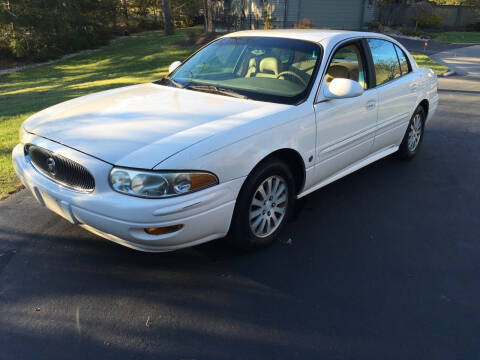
174 82
216 90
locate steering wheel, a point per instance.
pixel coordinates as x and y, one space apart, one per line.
296 76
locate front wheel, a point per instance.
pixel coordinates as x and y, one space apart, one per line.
263 206
413 136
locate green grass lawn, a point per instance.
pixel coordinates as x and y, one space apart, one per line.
135 59
425 61
457 37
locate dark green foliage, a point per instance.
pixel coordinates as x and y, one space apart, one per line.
432 21
36 30
43 29
473 27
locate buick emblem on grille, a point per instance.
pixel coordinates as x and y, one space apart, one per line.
51 166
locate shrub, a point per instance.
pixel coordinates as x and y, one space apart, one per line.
304 24
432 21
411 32
473 27
35 30
374 25
419 12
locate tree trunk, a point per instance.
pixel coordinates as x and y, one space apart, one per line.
210 28
205 15
125 11
167 18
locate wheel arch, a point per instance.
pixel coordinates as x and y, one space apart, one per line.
425 105
294 161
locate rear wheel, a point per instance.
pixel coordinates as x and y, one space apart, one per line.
413 136
263 205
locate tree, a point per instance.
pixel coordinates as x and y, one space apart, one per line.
475 3
167 18
208 16
419 12
268 18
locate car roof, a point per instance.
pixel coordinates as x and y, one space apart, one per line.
315 35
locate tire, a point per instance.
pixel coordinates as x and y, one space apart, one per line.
258 220
411 142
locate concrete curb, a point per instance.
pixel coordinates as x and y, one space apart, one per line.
449 73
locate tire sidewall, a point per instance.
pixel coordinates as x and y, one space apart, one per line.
405 151
240 231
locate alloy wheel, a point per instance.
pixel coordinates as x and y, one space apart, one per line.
268 206
415 133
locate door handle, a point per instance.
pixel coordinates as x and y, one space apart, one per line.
413 86
371 105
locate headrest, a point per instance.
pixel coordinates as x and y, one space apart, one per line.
269 64
338 71
252 62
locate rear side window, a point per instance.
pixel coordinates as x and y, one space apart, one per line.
404 66
385 61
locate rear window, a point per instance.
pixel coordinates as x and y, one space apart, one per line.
385 61
404 65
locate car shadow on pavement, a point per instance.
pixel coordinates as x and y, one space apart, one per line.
370 258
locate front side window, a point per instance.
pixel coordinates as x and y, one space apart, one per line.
259 68
385 61
347 64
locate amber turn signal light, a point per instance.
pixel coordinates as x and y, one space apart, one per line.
163 230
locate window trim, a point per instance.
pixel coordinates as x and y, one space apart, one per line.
359 41
396 47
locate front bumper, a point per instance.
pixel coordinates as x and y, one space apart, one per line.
205 215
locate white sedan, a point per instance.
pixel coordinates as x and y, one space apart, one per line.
227 142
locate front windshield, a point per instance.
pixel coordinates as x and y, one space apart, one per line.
258 68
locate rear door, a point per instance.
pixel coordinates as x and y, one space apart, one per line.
345 127
397 89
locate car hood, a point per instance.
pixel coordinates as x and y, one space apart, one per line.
142 125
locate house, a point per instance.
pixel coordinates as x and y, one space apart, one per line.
333 14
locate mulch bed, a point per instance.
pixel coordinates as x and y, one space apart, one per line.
8 64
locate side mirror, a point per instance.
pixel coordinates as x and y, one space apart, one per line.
173 66
342 88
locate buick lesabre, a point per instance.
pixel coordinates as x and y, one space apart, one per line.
229 140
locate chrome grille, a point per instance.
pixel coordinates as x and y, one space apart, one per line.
60 169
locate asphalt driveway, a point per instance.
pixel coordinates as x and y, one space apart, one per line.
383 264
432 47
464 61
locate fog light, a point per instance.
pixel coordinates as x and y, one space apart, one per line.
163 230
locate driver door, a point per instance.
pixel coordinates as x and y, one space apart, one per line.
345 127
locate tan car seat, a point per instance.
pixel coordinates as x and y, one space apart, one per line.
252 68
340 71
337 71
269 64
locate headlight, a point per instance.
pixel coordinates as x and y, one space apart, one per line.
159 184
